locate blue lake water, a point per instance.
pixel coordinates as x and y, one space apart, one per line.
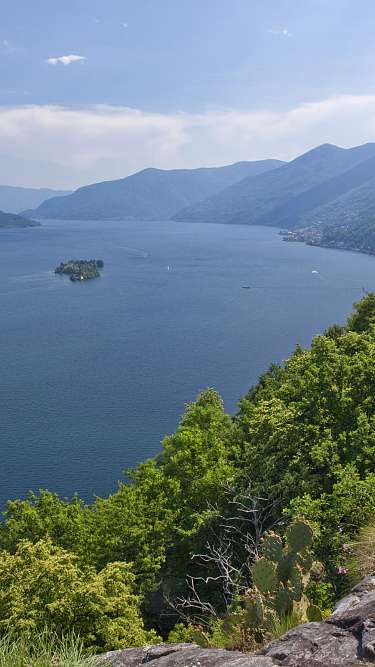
94 374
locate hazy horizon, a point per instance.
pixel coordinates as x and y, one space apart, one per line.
90 94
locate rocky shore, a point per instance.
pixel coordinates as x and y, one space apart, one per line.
346 638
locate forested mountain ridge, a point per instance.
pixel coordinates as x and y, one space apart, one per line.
301 446
9 220
151 194
277 197
348 222
321 201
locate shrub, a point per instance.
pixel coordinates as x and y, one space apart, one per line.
363 551
42 586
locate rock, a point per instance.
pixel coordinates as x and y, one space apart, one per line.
345 639
367 647
355 608
313 643
183 655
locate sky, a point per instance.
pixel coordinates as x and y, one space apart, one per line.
93 90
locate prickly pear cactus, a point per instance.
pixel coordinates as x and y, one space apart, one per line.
272 547
280 577
296 583
283 602
305 562
299 536
285 567
264 575
254 610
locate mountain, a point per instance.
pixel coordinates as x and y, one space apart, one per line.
351 206
151 194
9 220
345 217
281 196
358 236
16 200
348 222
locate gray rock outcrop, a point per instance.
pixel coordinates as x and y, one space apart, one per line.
346 638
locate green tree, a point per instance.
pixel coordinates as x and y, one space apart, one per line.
201 458
68 523
136 523
42 586
315 416
364 314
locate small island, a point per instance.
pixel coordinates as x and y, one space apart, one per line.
81 269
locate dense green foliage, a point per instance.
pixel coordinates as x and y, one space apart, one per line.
362 551
81 269
355 234
42 586
303 441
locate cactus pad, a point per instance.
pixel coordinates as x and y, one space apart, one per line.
285 566
296 583
299 536
280 578
264 575
305 562
254 610
283 602
272 547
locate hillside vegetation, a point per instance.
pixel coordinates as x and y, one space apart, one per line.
124 570
281 196
151 194
9 220
347 223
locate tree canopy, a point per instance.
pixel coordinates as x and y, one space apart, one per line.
303 440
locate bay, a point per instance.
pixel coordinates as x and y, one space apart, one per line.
94 374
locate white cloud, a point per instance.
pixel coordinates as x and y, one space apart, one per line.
6 47
60 146
65 60
125 25
282 32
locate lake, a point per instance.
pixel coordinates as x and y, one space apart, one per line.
94 374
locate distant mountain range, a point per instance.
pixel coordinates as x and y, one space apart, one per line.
151 194
282 196
325 196
15 200
9 220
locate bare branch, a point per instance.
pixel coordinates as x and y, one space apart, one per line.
234 545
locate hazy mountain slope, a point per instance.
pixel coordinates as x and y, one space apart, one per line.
347 222
151 194
350 208
323 201
9 220
14 199
359 235
253 200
